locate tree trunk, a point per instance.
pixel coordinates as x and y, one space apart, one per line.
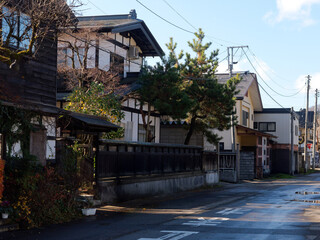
146 123
191 129
148 133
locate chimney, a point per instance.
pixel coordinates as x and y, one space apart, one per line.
133 14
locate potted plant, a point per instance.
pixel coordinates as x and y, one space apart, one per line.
5 209
87 207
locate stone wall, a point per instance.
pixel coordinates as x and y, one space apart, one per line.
246 165
126 189
228 176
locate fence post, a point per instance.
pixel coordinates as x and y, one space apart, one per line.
96 162
238 163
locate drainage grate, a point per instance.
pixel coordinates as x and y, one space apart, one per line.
307 193
308 201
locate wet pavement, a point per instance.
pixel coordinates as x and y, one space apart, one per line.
261 209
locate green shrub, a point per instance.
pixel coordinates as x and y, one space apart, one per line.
41 195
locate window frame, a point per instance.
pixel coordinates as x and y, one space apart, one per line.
19 17
268 126
245 119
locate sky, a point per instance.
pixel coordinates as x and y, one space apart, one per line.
282 36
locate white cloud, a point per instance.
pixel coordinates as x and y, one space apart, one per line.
314 82
292 10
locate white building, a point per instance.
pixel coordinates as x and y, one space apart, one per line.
277 121
123 40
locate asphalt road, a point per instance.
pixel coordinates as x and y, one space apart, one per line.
268 209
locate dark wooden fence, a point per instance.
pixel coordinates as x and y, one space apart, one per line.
119 159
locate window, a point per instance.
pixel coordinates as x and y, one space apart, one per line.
245 116
267 126
15 28
221 146
255 125
142 133
66 56
117 63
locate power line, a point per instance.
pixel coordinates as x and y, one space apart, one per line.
164 18
208 36
180 15
97 7
266 83
272 97
102 49
256 59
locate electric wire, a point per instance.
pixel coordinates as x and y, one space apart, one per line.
263 87
183 29
256 59
102 49
191 25
97 7
223 59
267 84
180 15
241 55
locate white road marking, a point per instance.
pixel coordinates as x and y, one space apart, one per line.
205 222
173 235
228 211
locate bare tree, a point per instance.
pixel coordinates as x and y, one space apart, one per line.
25 24
79 67
95 89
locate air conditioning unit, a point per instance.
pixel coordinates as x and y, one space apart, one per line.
133 52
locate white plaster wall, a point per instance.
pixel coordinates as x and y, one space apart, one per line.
134 119
226 138
283 126
104 56
50 124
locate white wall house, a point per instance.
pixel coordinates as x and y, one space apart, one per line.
277 121
123 40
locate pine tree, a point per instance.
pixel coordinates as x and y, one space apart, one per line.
212 104
161 87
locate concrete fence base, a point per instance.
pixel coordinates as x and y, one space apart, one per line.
113 190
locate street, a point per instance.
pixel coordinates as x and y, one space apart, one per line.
259 209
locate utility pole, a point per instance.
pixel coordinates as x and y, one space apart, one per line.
292 143
314 131
230 67
305 163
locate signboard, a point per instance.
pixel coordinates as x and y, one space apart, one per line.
301 139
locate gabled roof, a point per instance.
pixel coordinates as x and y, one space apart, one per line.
248 83
125 24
